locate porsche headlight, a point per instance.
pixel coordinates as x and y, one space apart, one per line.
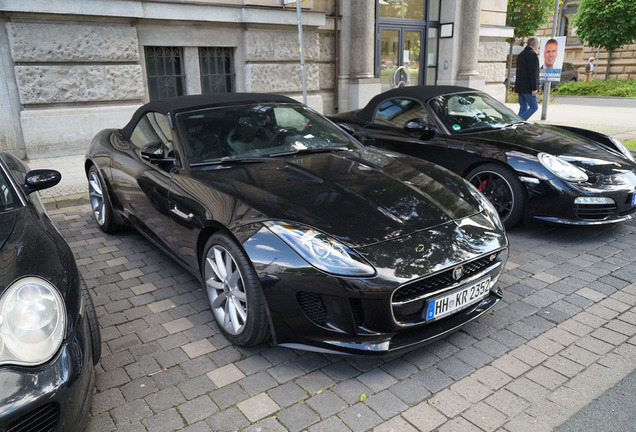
561 168
320 250
485 205
32 322
621 147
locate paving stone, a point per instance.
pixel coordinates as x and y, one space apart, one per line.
527 389
395 424
386 404
326 403
507 402
377 380
340 371
314 382
228 420
410 391
257 383
297 417
286 371
471 389
432 379
359 417
164 421
198 348
107 400
449 403
399 368
258 407
547 378
197 409
228 395
424 417
454 367
138 388
225 375
332 424
529 355
485 416
164 399
351 390
563 366
133 411
267 425
458 424
196 387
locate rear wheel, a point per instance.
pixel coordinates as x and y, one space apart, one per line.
234 292
503 189
100 202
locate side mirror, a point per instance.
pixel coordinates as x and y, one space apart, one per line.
39 179
418 126
153 151
348 129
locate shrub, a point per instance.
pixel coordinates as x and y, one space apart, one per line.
598 88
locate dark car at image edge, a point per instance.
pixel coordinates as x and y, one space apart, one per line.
297 233
49 334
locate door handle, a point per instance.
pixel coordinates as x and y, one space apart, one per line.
175 211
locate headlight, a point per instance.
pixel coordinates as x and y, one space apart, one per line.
32 322
621 147
561 168
320 250
485 205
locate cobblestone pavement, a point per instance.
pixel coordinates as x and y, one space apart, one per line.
563 335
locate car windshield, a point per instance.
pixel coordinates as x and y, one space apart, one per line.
472 112
249 132
8 198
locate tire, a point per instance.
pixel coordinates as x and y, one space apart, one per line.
100 202
93 324
503 189
234 291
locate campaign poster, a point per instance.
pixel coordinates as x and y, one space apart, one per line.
551 58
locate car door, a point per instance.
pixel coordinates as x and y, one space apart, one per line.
404 125
141 184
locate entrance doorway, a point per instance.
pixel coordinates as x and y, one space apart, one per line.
400 56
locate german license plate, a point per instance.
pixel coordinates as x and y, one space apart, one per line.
457 300
633 200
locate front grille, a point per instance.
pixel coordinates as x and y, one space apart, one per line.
594 211
313 308
410 300
434 283
43 419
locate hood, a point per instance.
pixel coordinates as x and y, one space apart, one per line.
580 151
360 197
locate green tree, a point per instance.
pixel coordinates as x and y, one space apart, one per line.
526 16
606 24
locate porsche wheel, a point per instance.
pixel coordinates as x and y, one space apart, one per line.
100 202
234 292
503 189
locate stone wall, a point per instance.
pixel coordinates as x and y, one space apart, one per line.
84 65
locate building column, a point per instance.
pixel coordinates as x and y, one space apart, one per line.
358 53
468 74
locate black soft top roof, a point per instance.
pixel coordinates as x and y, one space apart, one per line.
188 103
421 93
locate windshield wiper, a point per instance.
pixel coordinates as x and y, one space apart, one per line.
309 151
234 161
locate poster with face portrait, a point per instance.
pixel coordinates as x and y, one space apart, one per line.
551 58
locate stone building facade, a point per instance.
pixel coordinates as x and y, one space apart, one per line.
71 68
623 62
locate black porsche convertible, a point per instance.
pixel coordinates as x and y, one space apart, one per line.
527 171
296 231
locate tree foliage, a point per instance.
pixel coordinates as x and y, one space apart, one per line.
607 24
526 16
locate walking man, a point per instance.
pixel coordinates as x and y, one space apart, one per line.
589 70
527 80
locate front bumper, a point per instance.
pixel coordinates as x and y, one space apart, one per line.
55 396
314 311
554 201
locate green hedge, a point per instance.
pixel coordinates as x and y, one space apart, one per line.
598 88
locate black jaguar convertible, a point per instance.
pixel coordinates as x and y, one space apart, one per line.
527 171
296 231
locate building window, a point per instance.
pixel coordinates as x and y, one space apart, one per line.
217 70
164 66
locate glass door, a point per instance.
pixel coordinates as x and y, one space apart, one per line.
400 57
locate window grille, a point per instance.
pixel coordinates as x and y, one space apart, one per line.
217 70
165 72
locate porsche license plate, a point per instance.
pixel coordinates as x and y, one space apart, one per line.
457 300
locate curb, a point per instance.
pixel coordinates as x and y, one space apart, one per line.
65 201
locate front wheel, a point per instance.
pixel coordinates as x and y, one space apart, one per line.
503 189
234 292
100 202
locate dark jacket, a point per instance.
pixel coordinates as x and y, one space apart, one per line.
527 71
